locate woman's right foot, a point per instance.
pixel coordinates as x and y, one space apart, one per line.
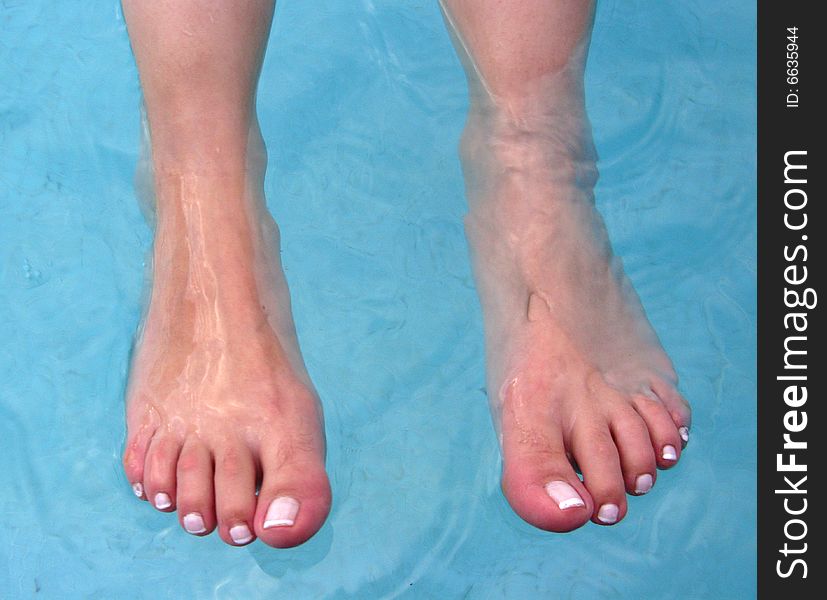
218 402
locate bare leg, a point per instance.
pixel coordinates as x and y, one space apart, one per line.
575 371
218 401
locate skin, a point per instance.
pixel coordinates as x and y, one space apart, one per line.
218 401
576 374
219 404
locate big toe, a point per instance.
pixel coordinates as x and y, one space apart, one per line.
294 499
542 487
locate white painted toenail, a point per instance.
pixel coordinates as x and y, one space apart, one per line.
240 534
162 500
138 489
564 495
608 513
669 453
281 513
194 523
684 433
643 483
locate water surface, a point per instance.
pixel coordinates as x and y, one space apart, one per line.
362 104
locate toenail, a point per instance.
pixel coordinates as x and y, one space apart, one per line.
240 534
564 495
162 500
608 513
669 453
194 523
281 513
643 483
684 433
138 489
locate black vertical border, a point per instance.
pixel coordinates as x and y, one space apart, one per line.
782 129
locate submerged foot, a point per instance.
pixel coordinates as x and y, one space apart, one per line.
577 377
224 426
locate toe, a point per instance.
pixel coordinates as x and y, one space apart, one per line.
664 435
637 460
195 497
294 499
597 456
134 459
159 471
540 483
677 406
235 494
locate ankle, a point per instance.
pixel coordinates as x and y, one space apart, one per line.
210 146
211 232
219 273
510 162
527 131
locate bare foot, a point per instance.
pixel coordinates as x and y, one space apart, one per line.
219 402
576 375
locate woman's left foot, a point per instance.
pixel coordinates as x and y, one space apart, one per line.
576 375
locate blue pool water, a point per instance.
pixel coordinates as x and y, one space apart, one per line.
362 103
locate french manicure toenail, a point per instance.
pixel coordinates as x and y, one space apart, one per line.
282 512
240 534
564 495
684 433
162 500
138 489
608 513
643 483
194 523
669 453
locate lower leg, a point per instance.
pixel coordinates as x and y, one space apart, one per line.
218 400
575 371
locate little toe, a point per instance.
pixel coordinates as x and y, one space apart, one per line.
597 456
677 406
134 459
195 498
235 494
541 485
294 499
159 471
637 460
664 435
